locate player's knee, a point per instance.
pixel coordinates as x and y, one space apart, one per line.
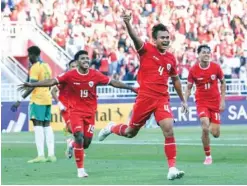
87 143
215 133
131 134
79 138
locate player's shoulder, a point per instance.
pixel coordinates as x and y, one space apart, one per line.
195 67
215 64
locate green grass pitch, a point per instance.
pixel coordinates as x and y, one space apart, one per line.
130 161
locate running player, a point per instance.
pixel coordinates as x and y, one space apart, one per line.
82 95
209 101
156 66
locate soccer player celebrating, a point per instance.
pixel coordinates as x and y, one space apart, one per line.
82 101
40 107
156 66
209 103
62 98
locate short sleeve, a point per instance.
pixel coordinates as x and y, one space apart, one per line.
102 79
220 73
143 49
34 73
63 78
190 79
173 71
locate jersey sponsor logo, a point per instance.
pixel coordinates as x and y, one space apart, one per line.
78 127
213 77
91 83
199 78
201 113
136 124
157 59
168 66
75 83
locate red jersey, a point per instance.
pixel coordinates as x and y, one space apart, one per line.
206 80
155 70
63 94
82 95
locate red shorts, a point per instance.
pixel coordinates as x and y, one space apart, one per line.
80 123
209 112
145 106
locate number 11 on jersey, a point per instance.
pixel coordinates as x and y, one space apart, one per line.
207 86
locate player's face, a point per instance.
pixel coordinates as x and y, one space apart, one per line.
83 61
205 55
32 58
163 40
72 65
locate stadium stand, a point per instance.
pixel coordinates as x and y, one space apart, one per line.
97 27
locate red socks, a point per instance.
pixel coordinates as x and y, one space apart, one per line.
170 151
119 129
207 151
79 155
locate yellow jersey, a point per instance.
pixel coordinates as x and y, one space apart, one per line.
39 72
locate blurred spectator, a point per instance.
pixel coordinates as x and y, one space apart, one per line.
96 25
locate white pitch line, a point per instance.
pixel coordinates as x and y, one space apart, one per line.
118 142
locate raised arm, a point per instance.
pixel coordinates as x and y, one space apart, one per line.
119 84
137 41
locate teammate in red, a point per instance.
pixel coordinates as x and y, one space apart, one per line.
62 98
209 102
156 66
82 103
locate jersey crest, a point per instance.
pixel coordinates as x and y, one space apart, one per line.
91 83
213 77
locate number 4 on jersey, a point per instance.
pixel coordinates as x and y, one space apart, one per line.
160 70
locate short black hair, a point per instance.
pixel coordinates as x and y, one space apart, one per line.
34 50
157 28
71 61
199 49
80 52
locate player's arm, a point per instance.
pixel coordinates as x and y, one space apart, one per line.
33 77
54 92
223 94
188 91
119 84
178 87
137 41
44 83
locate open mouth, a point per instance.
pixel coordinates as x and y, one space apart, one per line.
165 44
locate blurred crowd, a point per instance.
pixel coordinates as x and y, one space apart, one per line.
96 26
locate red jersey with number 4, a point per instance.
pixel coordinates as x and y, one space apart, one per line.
206 80
82 96
63 94
155 70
